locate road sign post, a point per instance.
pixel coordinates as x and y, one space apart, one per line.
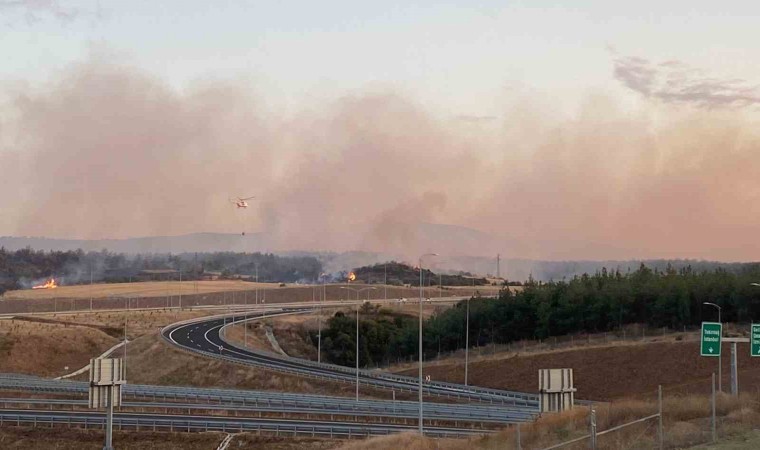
754 343
106 380
711 336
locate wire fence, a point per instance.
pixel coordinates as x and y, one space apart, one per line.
676 421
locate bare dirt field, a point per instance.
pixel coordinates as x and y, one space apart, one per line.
605 372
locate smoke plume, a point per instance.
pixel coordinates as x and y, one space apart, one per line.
107 151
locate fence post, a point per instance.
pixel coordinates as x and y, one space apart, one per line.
592 427
659 416
519 444
714 438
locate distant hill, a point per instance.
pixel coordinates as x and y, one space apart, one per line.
466 250
196 242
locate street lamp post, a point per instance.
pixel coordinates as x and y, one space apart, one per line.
357 331
720 354
467 342
319 320
420 337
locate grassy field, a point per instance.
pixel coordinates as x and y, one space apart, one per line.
141 289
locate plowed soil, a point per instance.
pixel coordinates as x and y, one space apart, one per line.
609 372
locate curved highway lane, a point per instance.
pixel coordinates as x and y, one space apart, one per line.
203 336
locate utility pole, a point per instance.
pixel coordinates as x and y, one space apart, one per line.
125 345
319 325
357 291
467 343
90 286
498 265
180 288
422 285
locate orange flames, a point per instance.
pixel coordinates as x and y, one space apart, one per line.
49 285
351 276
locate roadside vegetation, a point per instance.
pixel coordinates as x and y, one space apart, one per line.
686 423
605 301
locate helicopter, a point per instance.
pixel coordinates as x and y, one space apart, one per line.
241 202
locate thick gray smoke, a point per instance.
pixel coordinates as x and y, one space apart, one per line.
106 151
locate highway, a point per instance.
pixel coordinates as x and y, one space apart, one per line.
196 423
204 336
147 407
255 401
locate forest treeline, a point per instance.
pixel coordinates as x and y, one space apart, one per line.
399 274
20 268
584 304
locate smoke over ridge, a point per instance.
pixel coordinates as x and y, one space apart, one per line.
107 151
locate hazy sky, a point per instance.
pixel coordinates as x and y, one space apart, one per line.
459 56
574 126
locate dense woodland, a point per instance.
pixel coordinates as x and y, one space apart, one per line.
19 269
590 303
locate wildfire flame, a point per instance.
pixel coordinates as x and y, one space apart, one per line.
50 284
351 276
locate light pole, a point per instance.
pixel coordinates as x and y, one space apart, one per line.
420 343
319 319
357 331
467 342
720 357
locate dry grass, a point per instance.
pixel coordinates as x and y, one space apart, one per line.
138 322
46 349
148 289
78 439
141 289
256 336
153 361
405 441
686 423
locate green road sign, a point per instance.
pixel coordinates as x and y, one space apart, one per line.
754 343
711 333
